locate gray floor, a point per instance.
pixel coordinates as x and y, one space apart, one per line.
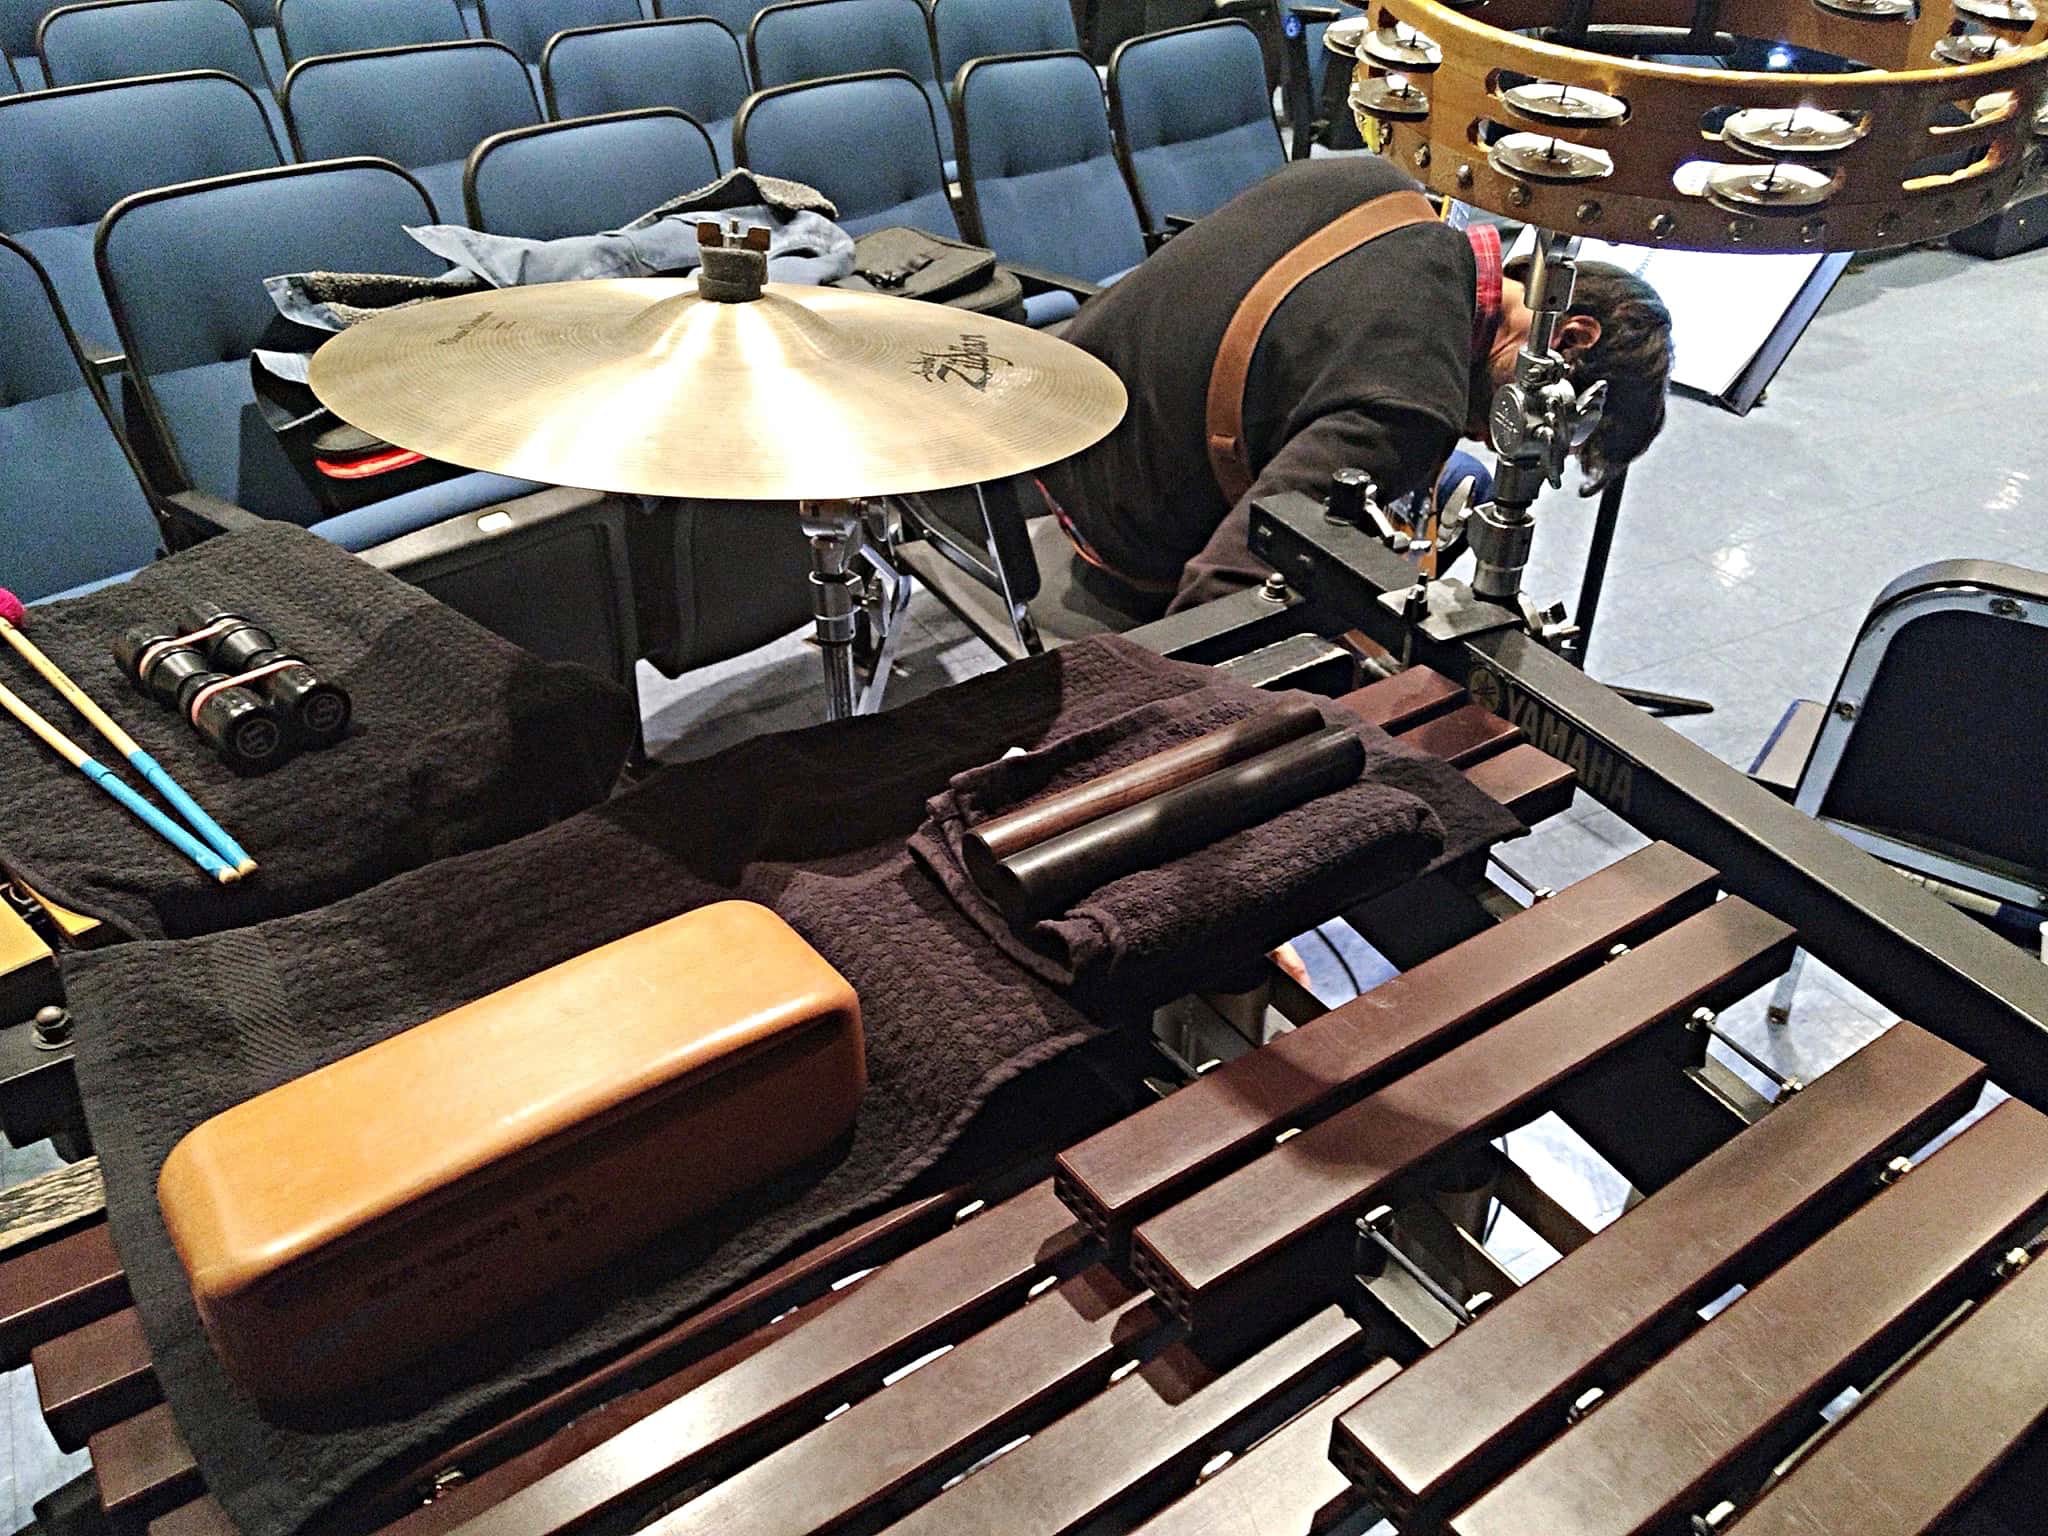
1906 427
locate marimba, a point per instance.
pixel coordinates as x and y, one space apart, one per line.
1263 1303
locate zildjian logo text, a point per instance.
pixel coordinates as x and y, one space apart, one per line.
970 362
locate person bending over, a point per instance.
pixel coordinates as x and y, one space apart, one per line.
1378 361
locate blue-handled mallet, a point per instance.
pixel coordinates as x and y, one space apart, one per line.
103 776
229 852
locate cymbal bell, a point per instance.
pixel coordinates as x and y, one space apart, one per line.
640 386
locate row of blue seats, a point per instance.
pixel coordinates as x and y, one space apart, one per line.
47 43
1047 183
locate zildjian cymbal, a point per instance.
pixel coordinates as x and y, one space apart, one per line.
640 386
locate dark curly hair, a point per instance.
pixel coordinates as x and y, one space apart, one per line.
1633 355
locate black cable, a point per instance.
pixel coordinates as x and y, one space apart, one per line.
1338 955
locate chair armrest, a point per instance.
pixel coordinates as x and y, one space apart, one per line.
465 529
1038 280
1314 15
203 516
1223 10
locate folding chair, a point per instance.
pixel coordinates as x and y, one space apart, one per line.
1193 119
818 39
307 29
869 142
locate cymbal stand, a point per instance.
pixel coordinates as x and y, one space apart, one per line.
844 535
1537 418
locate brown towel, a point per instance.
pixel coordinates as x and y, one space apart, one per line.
1190 923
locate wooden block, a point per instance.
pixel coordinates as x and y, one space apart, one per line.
93 1377
944 1287
974 1396
1157 1422
1283 1486
329 1244
1126 1172
1206 1255
1457 1418
1407 698
1463 736
1531 783
144 1468
1755 1376
1908 1458
56 1288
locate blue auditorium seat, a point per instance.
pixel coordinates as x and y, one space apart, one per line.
1038 171
10 83
817 39
734 15
119 39
261 16
692 64
980 29
587 174
309 28
72 512
183 268
425 107
869 142
18 22
1194 116
525 26
73 152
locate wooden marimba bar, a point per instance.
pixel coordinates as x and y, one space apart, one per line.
1174 1334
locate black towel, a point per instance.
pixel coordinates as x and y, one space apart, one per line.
460 740
813 823
1183 925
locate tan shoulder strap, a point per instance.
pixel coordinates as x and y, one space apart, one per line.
1361 226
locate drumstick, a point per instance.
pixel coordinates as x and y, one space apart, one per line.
12 614
103 776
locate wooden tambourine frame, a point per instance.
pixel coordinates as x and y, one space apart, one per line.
1893 185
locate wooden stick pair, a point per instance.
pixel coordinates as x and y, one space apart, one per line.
213 850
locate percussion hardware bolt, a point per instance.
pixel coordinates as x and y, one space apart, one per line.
1370 1232
1422 157
1589 212
1584 1404
52 1028
1617 951
1275 588
969 1211
1519 195
1713 1519
2007 608
1813 230
1845 709
2015 1260
1663 226
1464 175
1706 1021
446 1481
1895 1170
1740 230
